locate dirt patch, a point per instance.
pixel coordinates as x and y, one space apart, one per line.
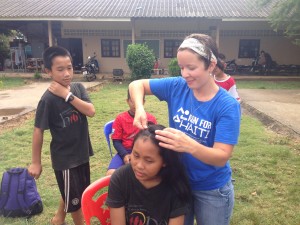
20 119
11 111
269 122
16 122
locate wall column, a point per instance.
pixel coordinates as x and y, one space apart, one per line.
50 34
218 36
133 30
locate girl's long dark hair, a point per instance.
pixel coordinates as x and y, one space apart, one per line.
173 173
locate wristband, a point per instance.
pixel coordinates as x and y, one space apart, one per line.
68 96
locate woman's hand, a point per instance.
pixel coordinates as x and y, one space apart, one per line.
140 118
178 141
174 139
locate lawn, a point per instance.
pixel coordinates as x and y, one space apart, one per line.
265 84
266 166
8 82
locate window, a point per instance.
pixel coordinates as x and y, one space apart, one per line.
110 48
170 48
249 48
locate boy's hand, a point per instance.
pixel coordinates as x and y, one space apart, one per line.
58 90
35 170
126 159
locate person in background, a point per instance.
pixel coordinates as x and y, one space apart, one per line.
153 188
224 80
204 127
265 60
63 109
123 135
156 64
157 67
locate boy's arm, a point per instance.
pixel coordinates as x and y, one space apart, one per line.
35 169
84 107
177 220
121 150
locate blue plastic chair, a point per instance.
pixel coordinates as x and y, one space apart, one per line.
107 131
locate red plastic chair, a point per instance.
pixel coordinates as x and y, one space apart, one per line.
96 208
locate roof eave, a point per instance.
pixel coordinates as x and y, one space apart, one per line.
108 19
244 19
119 19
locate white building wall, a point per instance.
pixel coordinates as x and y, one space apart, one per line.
280 48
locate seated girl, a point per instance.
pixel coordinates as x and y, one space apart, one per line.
153 188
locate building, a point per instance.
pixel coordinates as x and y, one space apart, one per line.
106 27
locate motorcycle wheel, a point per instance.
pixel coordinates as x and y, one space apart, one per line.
231 68
91 77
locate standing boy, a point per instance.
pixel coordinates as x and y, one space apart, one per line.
63 109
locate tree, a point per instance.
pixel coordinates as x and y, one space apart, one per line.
285 14
4 49
4 31
174 69
140 60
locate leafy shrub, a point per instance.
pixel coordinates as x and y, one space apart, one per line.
140 60
4 49
174 69
37 75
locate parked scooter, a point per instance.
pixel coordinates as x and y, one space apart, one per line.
95 61
90 69
231 67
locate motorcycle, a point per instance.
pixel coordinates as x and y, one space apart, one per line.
90 69
231 67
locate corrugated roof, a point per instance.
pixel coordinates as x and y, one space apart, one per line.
97 9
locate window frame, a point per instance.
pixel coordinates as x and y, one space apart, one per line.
110 52
249 48
170 47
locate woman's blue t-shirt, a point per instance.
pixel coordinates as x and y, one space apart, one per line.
216 120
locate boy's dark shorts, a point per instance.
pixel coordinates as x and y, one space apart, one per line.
72 182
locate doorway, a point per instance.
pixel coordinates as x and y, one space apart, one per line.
74 45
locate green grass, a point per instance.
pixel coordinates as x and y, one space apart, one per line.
266 166
263 84
9 82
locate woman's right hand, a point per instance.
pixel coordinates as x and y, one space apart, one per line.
138 89
140 118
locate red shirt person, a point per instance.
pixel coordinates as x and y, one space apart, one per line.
123 135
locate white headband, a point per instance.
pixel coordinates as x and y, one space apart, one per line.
198 47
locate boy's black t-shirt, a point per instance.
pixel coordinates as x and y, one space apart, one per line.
70 145
143 206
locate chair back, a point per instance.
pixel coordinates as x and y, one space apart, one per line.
92 207
107 131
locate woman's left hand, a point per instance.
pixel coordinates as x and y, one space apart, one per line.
174 139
